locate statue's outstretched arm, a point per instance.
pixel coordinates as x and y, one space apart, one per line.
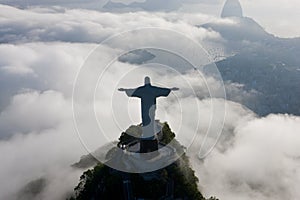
129 92
163 92
174 89
122 89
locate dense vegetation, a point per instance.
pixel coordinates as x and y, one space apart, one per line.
98 183
101 182
176 181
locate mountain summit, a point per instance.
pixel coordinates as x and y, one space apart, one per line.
266 66
232 8
175 181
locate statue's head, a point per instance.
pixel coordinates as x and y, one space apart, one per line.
147 80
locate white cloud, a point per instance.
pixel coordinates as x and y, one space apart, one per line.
43 66
36 85
262 162
47 150
87 26
44 111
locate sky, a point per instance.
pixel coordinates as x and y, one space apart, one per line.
279 18
42 50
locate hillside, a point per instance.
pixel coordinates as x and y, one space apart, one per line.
176 181
266 66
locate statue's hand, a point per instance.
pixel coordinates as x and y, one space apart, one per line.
121 89
174 89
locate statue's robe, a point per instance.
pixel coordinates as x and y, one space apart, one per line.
148 95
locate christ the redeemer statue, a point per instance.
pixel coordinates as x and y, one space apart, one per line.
148 94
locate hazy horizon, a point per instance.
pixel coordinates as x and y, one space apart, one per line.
61 63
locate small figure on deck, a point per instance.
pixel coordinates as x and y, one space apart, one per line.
148 94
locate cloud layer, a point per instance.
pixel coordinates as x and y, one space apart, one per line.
87 26
41 52
262 161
